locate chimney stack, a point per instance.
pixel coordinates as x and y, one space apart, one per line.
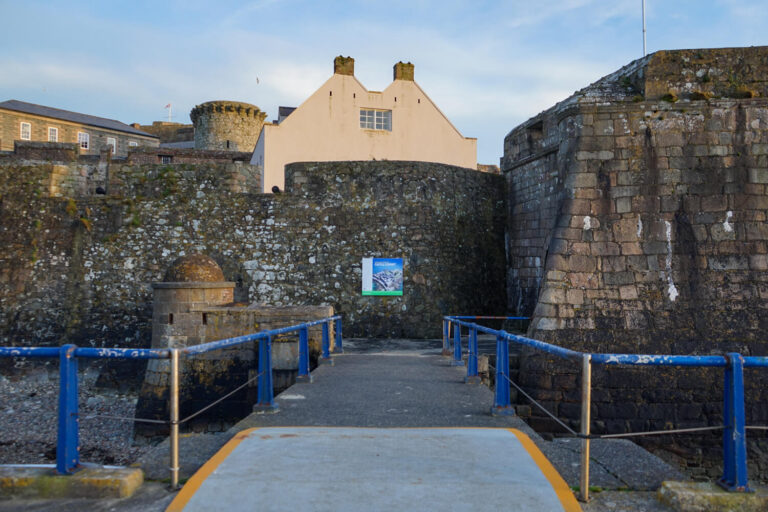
344 66
403 71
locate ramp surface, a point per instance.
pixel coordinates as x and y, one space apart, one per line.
375 469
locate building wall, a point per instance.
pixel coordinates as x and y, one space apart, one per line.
639 225
168 131
10 131
188 156
326 127
80 268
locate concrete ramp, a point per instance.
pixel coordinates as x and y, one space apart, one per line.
377 469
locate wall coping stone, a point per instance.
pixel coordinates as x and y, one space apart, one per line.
195 284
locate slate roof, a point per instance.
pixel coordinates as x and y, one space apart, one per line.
75 117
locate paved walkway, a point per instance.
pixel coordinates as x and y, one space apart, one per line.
351 469
391 453
392 383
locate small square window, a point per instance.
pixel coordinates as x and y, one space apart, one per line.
26 131
166 159
83 140
112 142
376 119
132 144
53 134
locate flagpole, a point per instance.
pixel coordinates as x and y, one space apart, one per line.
644 51
170 108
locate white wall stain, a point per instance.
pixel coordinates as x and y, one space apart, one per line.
726 224
587 223
639 227
671 288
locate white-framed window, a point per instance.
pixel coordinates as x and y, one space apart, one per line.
111 141
26 131
166 159
376 119
132 144
53 134
83 140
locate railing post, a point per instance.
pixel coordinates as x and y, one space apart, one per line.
303 375
501 403
266 389
174 398
457 346
472 375
734 435
338 348
325 357
446 337
586 405
68 442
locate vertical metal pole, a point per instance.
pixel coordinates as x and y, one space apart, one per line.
446 324
501 398
457 347
472 375
68 442
729 458
266 388
303 375
325 357
174 397
734 435
338 348
586 404
644 52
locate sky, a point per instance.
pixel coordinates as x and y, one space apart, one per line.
488 65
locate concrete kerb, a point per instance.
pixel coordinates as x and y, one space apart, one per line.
708 497
42 482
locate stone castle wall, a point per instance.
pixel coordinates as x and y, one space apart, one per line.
640 226
227 125
79 269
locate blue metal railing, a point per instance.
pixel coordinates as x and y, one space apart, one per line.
67 447
734 425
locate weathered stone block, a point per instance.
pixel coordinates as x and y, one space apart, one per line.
758 175
581 263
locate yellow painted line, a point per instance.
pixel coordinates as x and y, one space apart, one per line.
194 483
564 494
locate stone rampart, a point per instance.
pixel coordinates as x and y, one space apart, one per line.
80 269
640 226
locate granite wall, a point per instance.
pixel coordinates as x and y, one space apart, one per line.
638 224
79 269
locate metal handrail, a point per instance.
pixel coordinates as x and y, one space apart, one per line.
67 448
734 429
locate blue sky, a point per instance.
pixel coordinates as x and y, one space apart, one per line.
488 65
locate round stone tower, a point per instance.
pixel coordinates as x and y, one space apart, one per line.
227 125
192 282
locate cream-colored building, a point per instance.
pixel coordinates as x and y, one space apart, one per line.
345 121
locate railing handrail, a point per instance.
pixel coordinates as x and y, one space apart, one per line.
67 451
156 353
734 425
615 359
229 342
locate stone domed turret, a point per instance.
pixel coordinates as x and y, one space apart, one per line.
195 268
